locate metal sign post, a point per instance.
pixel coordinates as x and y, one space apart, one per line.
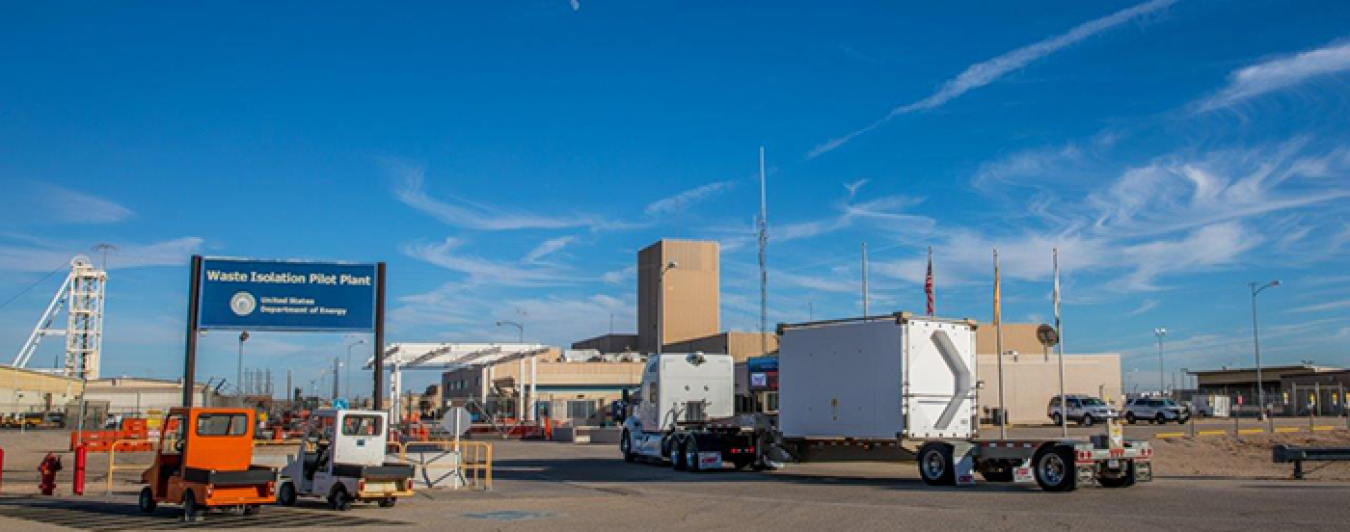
278 295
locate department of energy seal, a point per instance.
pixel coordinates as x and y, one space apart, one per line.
243 304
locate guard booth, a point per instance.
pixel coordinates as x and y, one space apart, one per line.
757 386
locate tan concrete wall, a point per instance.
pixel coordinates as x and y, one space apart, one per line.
740 345
24 390
1033 379
1020 337
685 299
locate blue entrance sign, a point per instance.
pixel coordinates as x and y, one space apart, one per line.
286 296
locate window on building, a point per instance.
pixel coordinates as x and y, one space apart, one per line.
580 410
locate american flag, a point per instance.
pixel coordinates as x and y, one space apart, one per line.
928 282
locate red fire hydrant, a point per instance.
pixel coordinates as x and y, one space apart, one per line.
48 468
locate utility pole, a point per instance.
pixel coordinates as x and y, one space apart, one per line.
763 266
1162 372
998 345
1256 342
239 369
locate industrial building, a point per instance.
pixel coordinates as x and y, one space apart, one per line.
1289 389
678 293
141 397
568 386
26 390
1031 373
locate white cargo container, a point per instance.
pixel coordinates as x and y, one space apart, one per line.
878 379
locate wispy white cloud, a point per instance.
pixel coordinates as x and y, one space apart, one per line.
888 209
480 271
44 256
984 73
1279 74
548 247
682 200
1323 307
410 190
77 207
1147 305
627 273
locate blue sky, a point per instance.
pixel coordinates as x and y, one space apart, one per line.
509 159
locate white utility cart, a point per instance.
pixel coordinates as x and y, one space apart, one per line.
342 459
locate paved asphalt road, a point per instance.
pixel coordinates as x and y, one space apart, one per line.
554 486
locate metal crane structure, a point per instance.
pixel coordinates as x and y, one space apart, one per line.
82 297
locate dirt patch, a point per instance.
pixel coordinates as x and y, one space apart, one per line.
1245 457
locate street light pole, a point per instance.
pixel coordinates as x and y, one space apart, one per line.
1256 344
349 368
660 304
1162 371
239 372
519 328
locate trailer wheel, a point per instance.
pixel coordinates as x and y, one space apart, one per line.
626 447
1055 468
677 455
935 464
147 501
286 495
1125 480
691 455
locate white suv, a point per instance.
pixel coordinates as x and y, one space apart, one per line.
1156 410
1083 409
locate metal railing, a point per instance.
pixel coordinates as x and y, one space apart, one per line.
112 461
475 459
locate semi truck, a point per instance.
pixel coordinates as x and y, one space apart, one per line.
894 387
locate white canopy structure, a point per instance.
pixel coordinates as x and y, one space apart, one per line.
447 356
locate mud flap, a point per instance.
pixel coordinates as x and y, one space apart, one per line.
1143 471
964 460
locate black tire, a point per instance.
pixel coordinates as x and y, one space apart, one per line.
340 500
286 495
1056 420
935 464
1124 481
1129 418
677 455
626 447
192 513
147 502
388 502
1160 419
691 455
1055 469
1086 421
252 509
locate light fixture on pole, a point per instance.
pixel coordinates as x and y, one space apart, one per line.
1162 373
1257 288
519 328
348 384
661 305
1049 337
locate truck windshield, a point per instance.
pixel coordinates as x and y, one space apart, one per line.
361 426
222 425
1092 401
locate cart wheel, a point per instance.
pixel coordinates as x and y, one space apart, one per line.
286 495
339 500
935 464
388 503
147 501
1055 468
626 447
252 509
191 512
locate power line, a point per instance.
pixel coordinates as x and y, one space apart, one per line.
31 286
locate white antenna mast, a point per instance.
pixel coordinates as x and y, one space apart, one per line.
864 280
763 270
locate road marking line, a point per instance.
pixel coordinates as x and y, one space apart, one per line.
1212 432
1251 431
1169 435
1286 429
1324 427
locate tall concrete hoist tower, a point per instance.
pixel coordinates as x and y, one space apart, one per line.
82 296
